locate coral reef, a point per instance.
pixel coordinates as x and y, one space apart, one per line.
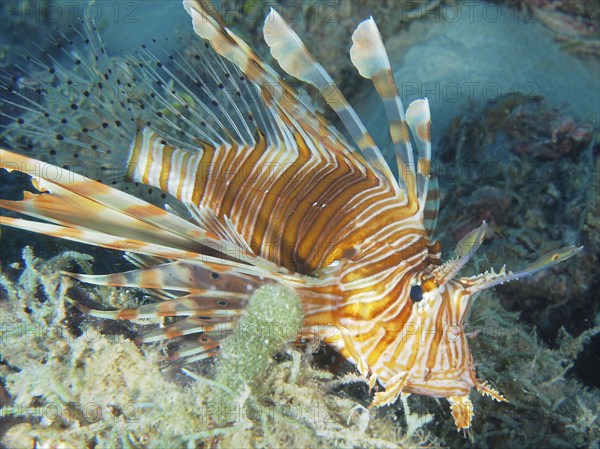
573 22
498 162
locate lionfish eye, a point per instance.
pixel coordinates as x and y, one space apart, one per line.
416 293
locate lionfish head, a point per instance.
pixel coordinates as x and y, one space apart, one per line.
432 333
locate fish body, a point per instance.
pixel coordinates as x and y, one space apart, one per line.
274 193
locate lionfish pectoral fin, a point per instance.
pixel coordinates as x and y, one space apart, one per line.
95 238
188 326
353 354
187 276
204 346
485 389
218 305
490 279
88 211
293 57
393 389
461 408
465 249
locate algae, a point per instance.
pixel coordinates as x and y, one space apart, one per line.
101 390
273 317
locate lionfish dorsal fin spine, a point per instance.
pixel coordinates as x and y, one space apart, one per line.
370 58
274 92
209 113
418 118
293 57
432 205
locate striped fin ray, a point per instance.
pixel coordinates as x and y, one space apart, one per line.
189 326
209 25
79 202
216 299
432 205
293 57
100 239
188 276
218 264
204 349
465 249
143 261
213 303
289 113
369 56
226 230
206 345
418 118
209 314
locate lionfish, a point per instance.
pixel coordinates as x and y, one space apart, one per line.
267 191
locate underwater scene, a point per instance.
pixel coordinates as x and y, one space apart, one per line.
299 224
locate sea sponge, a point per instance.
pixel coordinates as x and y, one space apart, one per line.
273 318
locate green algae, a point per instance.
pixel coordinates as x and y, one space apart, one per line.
273 318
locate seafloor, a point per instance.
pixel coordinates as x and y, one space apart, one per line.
514 94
